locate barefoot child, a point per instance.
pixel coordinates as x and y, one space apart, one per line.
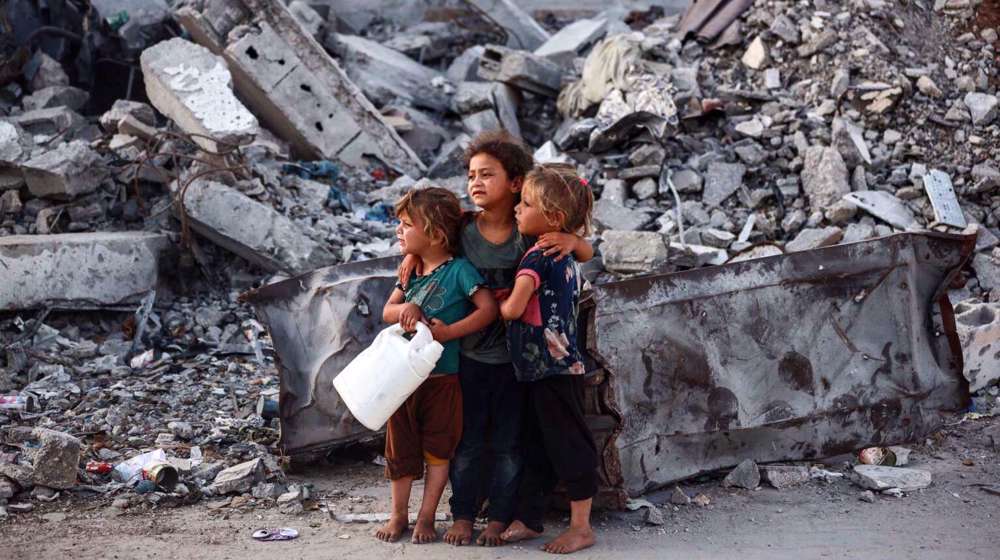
428 426
542 310
494 400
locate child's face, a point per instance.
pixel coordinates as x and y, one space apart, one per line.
411 236
529 216
489 186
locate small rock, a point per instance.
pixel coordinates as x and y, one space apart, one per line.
811 238
653 516
784 476
867 496
701 500
982 107
745 475
615 191
182 430
721 181
841 212
633 251
679 497
772 78
686 181
928 87
55 517
902 455
755 56
239 479
645 188
824 176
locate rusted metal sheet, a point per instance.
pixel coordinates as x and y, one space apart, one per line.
788 357
796 356
711 18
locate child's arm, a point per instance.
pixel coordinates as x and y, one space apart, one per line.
485 313
566 243
410 264
513 307
397 310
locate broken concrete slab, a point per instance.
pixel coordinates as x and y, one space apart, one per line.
238 479
308 18
465 67
824 176
122 108
850 142
79 270
612 215
721 181
252 230
56 96
745 475
296 88
978 326
55 459
70 170
15 144
784 476
885 207
629 252
386 75
521 70
193 87
43 71
49 122
497 97
570 41
877 477
814 238
523 32
987 267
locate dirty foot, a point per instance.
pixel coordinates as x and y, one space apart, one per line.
570 541
460 533
518 532
491 534
424 532
392 530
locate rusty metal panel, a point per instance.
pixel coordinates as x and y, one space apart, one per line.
318 323
796 356
788 357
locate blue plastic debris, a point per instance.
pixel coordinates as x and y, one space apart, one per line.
324 171
381 212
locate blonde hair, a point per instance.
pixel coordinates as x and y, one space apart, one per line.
560 191
438 209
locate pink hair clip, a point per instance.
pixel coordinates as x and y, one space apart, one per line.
584 182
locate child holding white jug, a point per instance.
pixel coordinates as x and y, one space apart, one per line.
426 429
542 310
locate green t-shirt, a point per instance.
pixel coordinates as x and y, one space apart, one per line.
446 294
497 263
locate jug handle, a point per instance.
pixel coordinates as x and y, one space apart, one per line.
420 339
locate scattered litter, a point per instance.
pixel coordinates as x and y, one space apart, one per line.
283 534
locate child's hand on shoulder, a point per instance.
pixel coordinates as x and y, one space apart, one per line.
410 264
409 315
558 243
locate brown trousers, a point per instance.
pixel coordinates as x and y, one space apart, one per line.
429 421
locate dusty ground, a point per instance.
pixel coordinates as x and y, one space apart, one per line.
953 519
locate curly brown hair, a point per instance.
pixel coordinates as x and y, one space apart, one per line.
438 209
560 191
512 154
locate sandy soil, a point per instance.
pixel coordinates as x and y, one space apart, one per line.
953 519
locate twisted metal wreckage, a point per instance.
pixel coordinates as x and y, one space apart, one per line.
790 357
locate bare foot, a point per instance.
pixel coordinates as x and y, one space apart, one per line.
517 532
424 532
491 534
460 533
571 540
392 530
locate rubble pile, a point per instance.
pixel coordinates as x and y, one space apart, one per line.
268 140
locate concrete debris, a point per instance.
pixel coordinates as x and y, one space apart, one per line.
522 70
978 326
298 91
54 457
633 251
124 108
885 207
679 497
239 479
850 142
781 476
721 181
386 75
570 41
50 122
193 87
982 107
745 475
879 478
56 96
251 229
523 31
755 56
70 170
867 496
611 215
308 18
79 269
824 176
43 71
14 144
814 238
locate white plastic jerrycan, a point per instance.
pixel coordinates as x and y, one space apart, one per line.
382 376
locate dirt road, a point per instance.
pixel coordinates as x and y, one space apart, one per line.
953 519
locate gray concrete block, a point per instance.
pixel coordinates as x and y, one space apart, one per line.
78 270
68 171
252 230
520 69
523 32
570 41
193 87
